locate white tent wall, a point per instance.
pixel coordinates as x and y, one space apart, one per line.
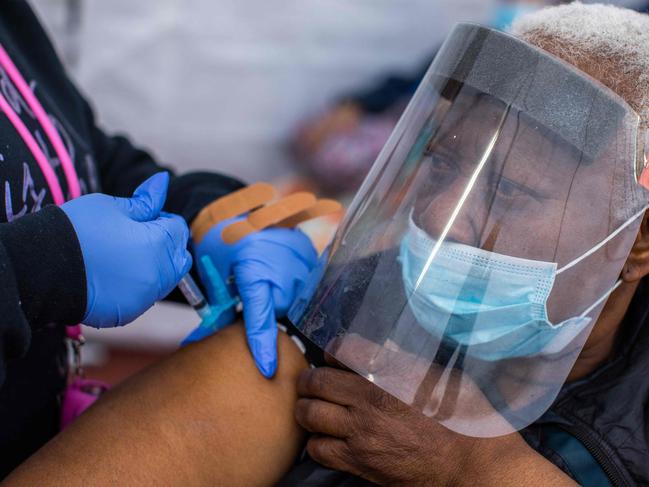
219 85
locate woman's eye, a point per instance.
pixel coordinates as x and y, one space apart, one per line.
442 165
508 189
443 172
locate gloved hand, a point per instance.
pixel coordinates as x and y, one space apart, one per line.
134 253
269 268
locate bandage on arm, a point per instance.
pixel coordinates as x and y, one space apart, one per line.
203 416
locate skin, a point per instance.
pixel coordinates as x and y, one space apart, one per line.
203 416
360 429
530 172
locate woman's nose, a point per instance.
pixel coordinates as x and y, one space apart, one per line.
449 204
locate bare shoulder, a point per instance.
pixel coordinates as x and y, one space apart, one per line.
203 416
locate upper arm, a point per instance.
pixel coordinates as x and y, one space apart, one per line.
203 416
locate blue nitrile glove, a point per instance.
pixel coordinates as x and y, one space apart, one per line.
269 269
133 252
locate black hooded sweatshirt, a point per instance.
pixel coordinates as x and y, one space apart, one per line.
42 276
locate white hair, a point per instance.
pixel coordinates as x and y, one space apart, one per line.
609 43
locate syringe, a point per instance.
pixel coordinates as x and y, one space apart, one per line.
194 296
211 314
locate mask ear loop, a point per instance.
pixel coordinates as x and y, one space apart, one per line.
617 284
604 242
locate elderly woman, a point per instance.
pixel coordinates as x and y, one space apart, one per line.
483 307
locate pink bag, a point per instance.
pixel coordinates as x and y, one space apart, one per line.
81 393
79 396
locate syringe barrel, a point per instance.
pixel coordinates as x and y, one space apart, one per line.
192 293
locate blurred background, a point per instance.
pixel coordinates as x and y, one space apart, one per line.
299 93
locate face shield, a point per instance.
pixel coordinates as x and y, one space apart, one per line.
479 252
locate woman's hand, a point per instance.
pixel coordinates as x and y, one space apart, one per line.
134 254
269 269
360 429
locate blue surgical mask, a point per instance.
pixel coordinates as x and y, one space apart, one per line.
494 304
504 15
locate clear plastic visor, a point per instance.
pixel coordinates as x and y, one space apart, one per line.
455 283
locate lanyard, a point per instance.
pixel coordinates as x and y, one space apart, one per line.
44 120
73 332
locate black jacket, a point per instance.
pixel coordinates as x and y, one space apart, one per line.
42 279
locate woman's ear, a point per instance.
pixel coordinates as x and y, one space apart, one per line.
637 264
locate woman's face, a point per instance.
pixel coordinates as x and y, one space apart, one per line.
499 181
